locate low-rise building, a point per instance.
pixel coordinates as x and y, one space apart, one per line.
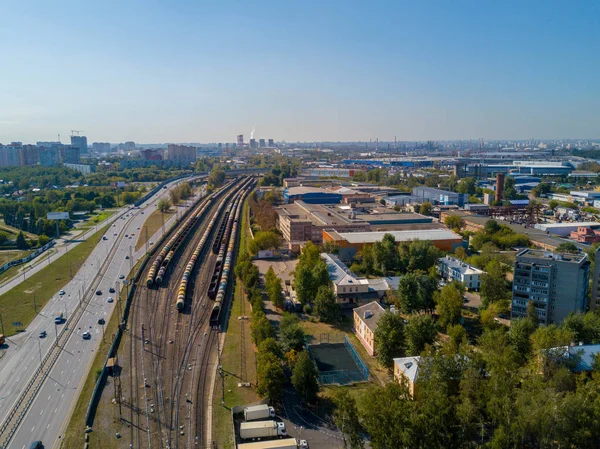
365 323
452 269
406 370
311 195
585 235
352 242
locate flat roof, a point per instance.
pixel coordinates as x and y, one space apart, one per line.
545 226
400 236
394 216
299 190
549 255
460 265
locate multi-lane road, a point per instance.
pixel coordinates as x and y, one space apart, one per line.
111 259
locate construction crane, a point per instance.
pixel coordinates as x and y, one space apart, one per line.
74 131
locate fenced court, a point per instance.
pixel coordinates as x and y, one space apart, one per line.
337 361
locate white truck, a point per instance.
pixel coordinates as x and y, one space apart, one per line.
287 443
262 429
258 412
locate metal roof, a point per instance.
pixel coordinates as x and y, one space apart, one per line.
409 366
370 314
400 236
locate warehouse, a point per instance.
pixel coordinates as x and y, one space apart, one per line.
352 242
311 195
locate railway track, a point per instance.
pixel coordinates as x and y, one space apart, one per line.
169 347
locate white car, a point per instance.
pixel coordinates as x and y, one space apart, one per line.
109 299
61 293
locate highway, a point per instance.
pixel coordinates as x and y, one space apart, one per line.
53 402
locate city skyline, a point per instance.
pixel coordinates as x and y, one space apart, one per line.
310 71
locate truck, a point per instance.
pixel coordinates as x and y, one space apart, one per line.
258 412
287 443
262 429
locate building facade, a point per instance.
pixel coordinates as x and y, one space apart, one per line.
452 269
182 154
81 143
595 299
365 324
556 283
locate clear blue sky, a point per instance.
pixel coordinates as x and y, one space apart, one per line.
180 71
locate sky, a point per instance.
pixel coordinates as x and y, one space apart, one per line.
313 70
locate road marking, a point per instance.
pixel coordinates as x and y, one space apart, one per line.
33 428
18 379
55 409
49 397
48 426
41 412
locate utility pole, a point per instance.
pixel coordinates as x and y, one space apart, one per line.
56 333
34 304
221 373
40 349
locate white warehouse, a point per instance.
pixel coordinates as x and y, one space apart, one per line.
452 269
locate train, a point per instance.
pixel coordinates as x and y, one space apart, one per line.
181 293
159 267
227 266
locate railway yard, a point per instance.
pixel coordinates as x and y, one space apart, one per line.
158 393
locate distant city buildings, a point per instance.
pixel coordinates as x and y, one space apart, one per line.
556 283
253 144
240 141
71 154
81 143
181 154
271 144
261 143
152 154
101 147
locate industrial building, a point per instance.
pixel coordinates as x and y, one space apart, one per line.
565 229
311 195
452 269
352 242
365 324
438 196
328 172
556 283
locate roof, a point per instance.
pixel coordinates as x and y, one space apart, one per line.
370 314
548 255
339 273
572 224
582 355
400 236
409 367
459 265
300 190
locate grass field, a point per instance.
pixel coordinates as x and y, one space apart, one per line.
16 305
8 255
151 225
13 232
231 362
74 434
102 216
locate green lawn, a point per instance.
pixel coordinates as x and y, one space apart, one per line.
16 305
8 255
152 224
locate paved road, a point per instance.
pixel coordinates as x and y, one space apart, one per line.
52 404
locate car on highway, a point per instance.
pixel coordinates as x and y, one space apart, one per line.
86 335
151 243
138 228
36 445
111 290
101 321
104 237
62 292
142 212
126 235
126 257
115 234
43 334
121 276
58 319
110 299
99 292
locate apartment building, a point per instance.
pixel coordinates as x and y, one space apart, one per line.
556 283
452 269
365 323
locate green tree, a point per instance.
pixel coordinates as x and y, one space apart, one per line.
567 247
389 338
267 240
291 336
326 307
426 208
21 242
270 376
304 378
386 257
3 237
457 337
520 337
261 329
419 332
345 417
304 284
415 292
449 303
43 239
467 185
454 222
493 283
163 205
270 345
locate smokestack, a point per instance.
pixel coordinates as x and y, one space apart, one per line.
252 133
499 186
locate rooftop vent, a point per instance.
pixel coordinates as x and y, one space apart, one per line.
408 365
368 314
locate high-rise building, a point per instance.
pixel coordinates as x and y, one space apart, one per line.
556 283
29 155
71 154
81 143
129 146
595 299
240 141
271 144
9 154
101 147
152 154
261 143
49 157
182 154
252 143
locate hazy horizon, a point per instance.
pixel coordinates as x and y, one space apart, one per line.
299 71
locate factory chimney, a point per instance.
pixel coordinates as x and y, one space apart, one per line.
499 186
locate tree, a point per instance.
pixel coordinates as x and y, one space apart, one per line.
270 345
418 255
467 185
426 208
567 247
304 378
270 376
304 284
163 205
345 417
326 308
519 334
267 240
493 283
449 303
419 332
3 237
261 329
216 177
457 337
291 336
389 338
454 222
385 254
43 239
415 292
21 242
